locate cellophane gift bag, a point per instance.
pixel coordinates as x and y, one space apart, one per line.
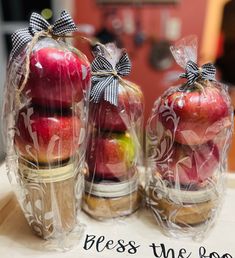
115 137
188 135
45 119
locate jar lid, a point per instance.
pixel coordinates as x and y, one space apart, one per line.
184 196
110 189
47 175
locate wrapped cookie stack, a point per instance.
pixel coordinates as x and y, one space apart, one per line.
188 135
45 118
114 142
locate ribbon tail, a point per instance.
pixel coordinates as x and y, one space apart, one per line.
111 92
183 75
97 90
19 39
96 79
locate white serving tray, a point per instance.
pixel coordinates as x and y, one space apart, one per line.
17 240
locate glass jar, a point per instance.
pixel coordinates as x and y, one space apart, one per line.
110 199
50 197
183 207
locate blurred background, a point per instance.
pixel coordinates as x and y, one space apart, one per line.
146 28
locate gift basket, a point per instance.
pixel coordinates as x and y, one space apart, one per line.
115 137
45 119
187 137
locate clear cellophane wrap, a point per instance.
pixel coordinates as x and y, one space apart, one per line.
187 138
114 149
45 120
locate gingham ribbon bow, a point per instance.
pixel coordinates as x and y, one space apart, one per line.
37 23
193 72
105 79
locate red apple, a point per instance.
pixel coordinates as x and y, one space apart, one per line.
191 165
111 118
111 156
57 77
201 114
46 138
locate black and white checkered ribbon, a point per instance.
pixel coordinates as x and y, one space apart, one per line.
193 72
37 23
105 78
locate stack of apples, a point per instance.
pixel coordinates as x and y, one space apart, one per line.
48 127
112 149
197 120
111 186
188 134
49 135
114 143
